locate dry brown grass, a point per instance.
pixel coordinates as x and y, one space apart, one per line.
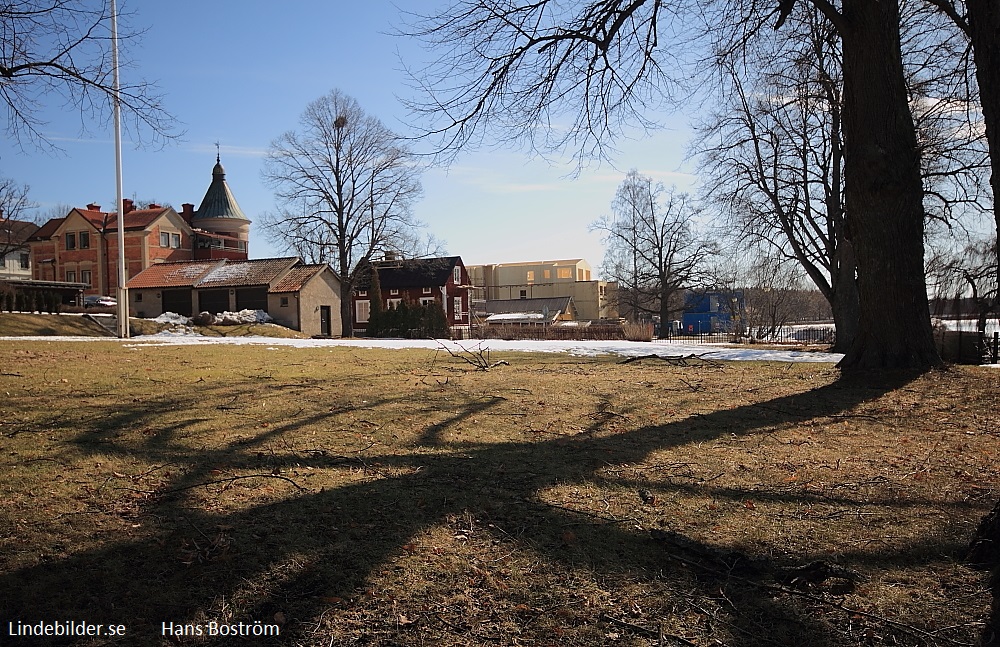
402 498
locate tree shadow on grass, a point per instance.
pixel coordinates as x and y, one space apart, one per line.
303 555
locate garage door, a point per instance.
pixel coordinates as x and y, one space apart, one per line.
178 301
251 299
214 301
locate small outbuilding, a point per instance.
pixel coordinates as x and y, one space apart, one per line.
297 295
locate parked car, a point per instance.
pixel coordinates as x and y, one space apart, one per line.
100 302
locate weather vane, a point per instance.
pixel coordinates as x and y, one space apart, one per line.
218 153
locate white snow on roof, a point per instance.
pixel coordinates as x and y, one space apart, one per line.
513 316
228 272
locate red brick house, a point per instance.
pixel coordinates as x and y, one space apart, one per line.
417 281
82 247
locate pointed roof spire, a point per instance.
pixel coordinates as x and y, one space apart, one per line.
219 201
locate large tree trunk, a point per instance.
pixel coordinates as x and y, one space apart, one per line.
844 301
346 309
884 195
984 32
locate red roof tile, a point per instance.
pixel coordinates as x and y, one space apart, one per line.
262 271
47 230
297 277
182 274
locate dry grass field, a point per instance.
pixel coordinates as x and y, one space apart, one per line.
369 497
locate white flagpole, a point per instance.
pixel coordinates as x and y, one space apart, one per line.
123 327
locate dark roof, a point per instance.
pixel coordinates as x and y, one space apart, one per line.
219 201
16 232
47 230
410 273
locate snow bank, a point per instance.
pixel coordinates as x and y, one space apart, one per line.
173 318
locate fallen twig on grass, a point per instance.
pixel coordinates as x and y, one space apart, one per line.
686 544
677 360
216 481
649 633
478 357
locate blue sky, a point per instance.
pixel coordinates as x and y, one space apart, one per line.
241 74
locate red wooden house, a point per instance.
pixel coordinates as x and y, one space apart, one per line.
417 281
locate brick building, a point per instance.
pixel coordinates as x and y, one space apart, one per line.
82 247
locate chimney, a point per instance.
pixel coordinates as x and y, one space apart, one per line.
128 206
153 205
187 212
93 207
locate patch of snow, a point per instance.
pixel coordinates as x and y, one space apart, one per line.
172 318
243 317
228 272
509 316
578 348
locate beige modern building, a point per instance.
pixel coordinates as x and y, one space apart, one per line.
545 279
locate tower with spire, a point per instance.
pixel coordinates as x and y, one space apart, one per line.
221 228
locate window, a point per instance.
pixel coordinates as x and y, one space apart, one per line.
579 274
85 276
531 276
524 294
394 292
25 261
175 241
457 274
393 303
138 297
84 240
362 311
586 275
362 293
164 239
70 276
70 241
427 290
426 301
458 308
284 302
547 274
565 272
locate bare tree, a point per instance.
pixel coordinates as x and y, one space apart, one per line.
345 185
546 74
653 248
60 50
979 20
773 160
15 223
522 66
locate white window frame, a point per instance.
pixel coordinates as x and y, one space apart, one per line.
392 303
457 304
86 276
393 291
456 274
175 241
426 301
362 311
428 290
165 239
